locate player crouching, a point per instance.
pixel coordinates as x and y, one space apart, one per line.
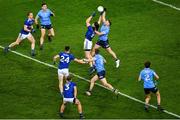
70 96
25 33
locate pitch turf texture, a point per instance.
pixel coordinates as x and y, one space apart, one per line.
141 30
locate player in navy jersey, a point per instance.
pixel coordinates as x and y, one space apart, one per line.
103 38
99 66
70 96
63 69
25 33
44 15
90 33
148 75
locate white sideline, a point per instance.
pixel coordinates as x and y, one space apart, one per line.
120 93
166 4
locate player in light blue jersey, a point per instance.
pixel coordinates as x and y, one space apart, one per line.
99 66
103 38
44 15
90 33
148 75
63 68
70 96
25 33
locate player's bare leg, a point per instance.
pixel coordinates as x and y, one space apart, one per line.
110 51
50 34
89 57
92 82
61 78
17 42
159 101
79 106
63 106
147 99
32 40
43 32
106 84
94 48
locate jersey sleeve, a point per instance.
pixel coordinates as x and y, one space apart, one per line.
90 28
60 54
154 73
26 22
72 57
74 84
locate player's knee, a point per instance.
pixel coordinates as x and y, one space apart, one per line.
17 43
148 97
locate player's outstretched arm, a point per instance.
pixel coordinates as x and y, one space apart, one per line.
139 79
75 92
88 20
36 19
80 61
55 58
103 17
99 33
99 20
156 76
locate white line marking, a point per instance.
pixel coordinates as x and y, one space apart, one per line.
125 95
166 4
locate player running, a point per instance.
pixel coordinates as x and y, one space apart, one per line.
63 68
147 75
25 33
70 96
90 33
44 15
103 37
99 65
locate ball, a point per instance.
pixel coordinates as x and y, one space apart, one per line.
100 9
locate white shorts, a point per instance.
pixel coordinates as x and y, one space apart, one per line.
70 100
63 72
87 45
23 36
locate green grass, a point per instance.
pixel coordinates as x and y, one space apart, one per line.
141 30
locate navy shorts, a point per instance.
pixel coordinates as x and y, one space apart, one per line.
46 27
103 44
149 90
101 74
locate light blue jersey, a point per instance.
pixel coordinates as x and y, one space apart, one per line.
105 30
99 63
147 75
45 17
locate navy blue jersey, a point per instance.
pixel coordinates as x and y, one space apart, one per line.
28 23
65 59
90 33
69 90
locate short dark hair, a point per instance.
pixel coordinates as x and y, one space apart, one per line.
43 4
69 77
67 48
28 13
147 64
96 25
97 51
